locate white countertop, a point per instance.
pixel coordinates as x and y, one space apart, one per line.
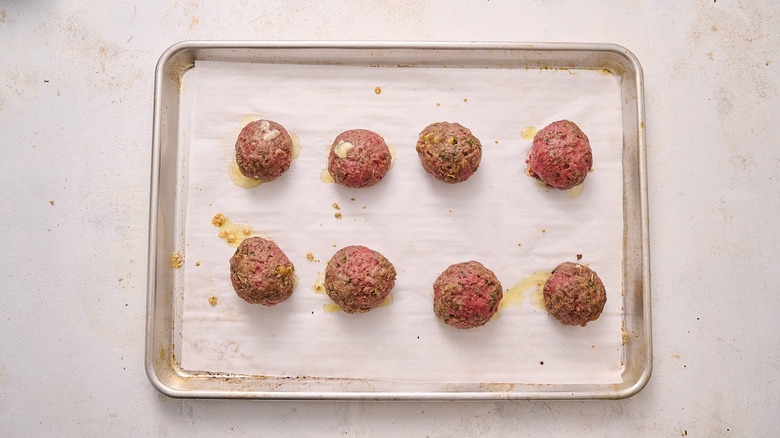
76 82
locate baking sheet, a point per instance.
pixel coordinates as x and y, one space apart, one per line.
500 217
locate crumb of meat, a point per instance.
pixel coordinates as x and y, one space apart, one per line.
519 244
197 263
218 220
51 202
310 256
213 301
229 235
336 206
364 207
177 261
377 90
351 199
337 215
579 256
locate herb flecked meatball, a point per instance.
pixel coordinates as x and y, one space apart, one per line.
466 295
359 279
358 158
574 294
560 155
261 273
449 151
263 150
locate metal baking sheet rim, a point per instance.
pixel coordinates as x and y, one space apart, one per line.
162 367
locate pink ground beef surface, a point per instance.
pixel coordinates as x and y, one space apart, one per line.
560 155
261 273
449 151
574 294
466 295
365 164
260 159
358 278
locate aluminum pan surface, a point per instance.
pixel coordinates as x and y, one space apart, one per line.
161 363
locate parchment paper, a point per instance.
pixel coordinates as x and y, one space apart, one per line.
500 217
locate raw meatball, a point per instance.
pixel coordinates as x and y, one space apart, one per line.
574 294
560 155
263 150
358 158
466 295
449 151
261 273
358 279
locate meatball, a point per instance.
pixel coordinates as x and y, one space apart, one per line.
574 294
261 273
358 279
560 155
263 150
466 295
358 158
449 152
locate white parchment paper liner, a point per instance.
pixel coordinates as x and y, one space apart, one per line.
421 225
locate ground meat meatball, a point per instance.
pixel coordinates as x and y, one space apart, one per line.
560 155
358 279
261 273
466 295
574 294
358 158
263 150
449 152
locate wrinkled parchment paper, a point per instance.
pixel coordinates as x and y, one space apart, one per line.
500 217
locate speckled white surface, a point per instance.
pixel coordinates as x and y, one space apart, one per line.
75 116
